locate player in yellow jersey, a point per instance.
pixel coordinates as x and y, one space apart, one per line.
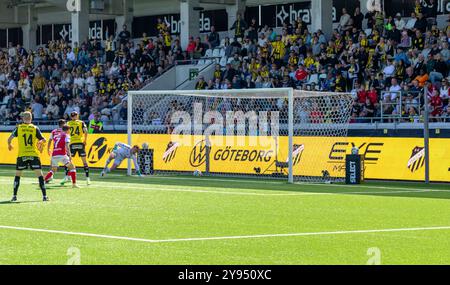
78 139
31 143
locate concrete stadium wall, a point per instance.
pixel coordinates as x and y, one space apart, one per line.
176 76
206 71
50 15
165 82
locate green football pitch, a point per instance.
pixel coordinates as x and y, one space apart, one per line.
207 220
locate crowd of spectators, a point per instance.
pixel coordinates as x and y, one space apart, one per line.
385 67
91 78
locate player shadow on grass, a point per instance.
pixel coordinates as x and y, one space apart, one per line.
50 186
19 202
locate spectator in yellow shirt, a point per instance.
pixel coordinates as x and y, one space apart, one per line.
38 83
278 49
309 60
293 58
161 26
96 70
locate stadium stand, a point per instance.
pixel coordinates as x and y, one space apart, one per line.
56 80
386 67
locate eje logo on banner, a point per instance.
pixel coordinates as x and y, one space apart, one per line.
370 151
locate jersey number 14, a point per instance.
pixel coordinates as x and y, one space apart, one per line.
28 140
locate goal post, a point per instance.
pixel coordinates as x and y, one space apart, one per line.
274 133
129 127
290 133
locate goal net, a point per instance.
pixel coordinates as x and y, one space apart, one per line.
279 133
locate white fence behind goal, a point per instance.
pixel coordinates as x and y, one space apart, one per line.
279 133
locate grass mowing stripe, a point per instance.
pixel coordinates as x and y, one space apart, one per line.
266 181
192 190
226 237
374 187
141 226
251 181
267 194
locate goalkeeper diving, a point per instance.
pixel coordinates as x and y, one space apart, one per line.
119 153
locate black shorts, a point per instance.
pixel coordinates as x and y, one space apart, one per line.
78 148
25 162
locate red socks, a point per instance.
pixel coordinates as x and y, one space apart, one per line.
48 176
73 175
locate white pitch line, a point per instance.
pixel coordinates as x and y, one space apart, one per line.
376 187
75 233
192 190
226 237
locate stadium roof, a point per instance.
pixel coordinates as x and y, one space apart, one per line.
114 7
227 2
61 3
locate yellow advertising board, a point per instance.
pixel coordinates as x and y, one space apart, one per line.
385 158
97 149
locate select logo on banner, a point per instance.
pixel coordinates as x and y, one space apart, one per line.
352 172
417 159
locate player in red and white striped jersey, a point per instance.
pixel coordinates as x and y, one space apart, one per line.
60 140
